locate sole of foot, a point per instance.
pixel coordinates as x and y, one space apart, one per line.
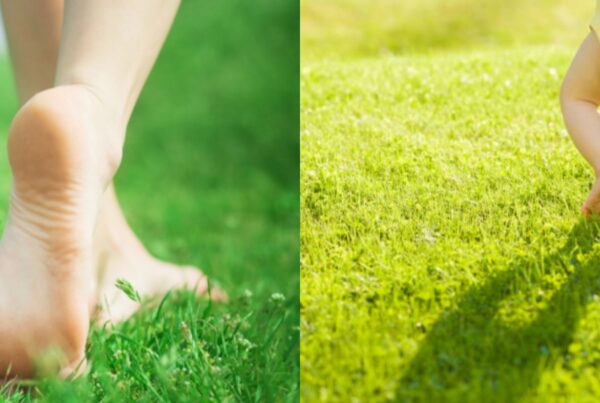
61 167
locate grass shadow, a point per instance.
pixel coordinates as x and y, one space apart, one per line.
473 354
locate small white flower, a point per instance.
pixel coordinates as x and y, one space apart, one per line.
277 297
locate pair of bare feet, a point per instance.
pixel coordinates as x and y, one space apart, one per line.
64 244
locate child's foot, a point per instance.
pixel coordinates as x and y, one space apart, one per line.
592 203
120 255
61 161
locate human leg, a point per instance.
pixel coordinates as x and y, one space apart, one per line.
580 97
64 147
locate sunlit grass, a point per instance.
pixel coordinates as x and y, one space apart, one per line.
443 253
357 28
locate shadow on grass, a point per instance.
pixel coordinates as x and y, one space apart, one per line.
470 354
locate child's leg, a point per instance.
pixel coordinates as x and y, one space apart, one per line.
64 147
580 97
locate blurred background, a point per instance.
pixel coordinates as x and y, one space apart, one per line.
355 28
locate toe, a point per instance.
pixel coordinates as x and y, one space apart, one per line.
217 294
197 281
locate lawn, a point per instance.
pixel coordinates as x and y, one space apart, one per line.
210 177
444 258
348 29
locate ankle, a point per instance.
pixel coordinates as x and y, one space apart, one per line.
109 122
114 126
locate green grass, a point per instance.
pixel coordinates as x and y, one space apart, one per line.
443 254
210 177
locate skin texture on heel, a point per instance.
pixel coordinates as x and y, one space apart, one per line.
46 253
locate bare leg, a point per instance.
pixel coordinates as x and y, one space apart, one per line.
33 28
38 312
118 252
117 73
64 147
580 97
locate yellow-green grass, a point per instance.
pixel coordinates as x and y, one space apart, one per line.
444 257
210 178
355 28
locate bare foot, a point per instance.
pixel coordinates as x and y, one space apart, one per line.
61 166
119 254
592 203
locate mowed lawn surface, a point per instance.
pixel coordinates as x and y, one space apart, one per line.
443 254
210 178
